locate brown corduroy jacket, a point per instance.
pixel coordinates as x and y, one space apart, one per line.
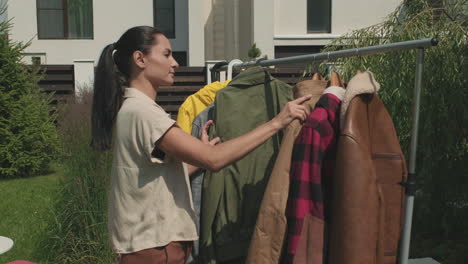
367 201
267 241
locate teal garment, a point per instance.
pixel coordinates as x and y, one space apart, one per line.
232 197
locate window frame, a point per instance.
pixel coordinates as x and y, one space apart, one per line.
65 22
173 36
329 29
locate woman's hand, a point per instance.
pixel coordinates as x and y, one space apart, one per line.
204 138
292 110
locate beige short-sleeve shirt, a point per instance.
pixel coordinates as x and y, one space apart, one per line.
150 202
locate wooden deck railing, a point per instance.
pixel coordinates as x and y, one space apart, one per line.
188 80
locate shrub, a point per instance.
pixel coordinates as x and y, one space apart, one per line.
254 52
441 204
28 138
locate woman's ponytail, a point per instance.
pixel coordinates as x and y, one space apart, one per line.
114 69
107 99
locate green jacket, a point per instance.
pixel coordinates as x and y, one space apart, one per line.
232 196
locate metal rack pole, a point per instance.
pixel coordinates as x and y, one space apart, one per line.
410 184
404 45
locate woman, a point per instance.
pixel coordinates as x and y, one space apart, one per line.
151 217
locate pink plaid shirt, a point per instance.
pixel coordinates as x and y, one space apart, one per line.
312 166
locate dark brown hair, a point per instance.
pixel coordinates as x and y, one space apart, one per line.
112 71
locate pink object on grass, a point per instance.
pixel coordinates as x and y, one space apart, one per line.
21 262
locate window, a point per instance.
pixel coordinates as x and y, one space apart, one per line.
318 16
65 19
3 17
3 11
164 18
180 57
36 60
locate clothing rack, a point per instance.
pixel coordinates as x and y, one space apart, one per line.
420 44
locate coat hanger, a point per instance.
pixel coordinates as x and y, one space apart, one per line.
230 66
215 75
335 80
311 69
317 76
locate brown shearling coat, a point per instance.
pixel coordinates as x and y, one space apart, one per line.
367 201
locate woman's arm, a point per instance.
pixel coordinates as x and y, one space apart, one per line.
189 149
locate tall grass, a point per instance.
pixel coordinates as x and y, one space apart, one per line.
79 234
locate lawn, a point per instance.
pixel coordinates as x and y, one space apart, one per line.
26 207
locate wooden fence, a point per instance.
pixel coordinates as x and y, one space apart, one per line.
188 80
58 79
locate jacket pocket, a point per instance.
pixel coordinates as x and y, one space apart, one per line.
391 170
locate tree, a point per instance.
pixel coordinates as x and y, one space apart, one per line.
28 138
254 52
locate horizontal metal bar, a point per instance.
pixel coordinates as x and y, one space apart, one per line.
404 45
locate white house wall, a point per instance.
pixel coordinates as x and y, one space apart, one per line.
291 19
270 23
111 19
198 15
205 29
349 15
263 16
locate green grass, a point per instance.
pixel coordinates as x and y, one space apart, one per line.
26 209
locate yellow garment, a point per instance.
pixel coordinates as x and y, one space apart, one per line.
196 103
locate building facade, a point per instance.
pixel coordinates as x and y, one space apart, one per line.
75 31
